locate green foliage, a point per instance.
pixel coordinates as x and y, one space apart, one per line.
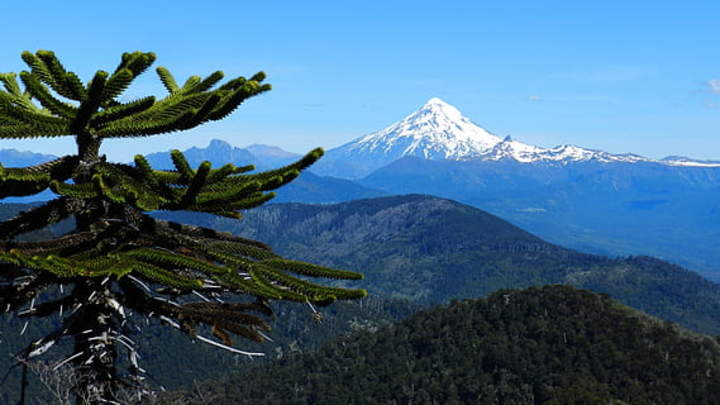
99 113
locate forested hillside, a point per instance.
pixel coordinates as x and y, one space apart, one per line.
544 345
430 250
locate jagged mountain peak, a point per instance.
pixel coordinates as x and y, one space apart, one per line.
219 144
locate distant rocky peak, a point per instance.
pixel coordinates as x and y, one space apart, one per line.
219 144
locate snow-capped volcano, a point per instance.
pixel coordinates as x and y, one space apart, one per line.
438 131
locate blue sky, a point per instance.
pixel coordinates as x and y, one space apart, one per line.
615 75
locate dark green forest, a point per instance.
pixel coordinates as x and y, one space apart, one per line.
543 345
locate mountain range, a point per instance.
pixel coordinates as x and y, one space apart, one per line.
428 250
593 201
590 200
308 187
439 131
263 157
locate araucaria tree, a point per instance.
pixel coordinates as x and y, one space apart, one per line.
118 260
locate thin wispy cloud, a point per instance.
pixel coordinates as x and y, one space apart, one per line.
714 85
534 98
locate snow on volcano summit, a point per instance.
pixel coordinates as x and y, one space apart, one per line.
436 131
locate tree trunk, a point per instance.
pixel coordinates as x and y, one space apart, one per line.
98 381
99 324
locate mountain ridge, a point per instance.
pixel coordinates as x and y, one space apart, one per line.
612 209
430 249
439 131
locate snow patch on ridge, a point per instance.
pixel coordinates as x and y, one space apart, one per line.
692 163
